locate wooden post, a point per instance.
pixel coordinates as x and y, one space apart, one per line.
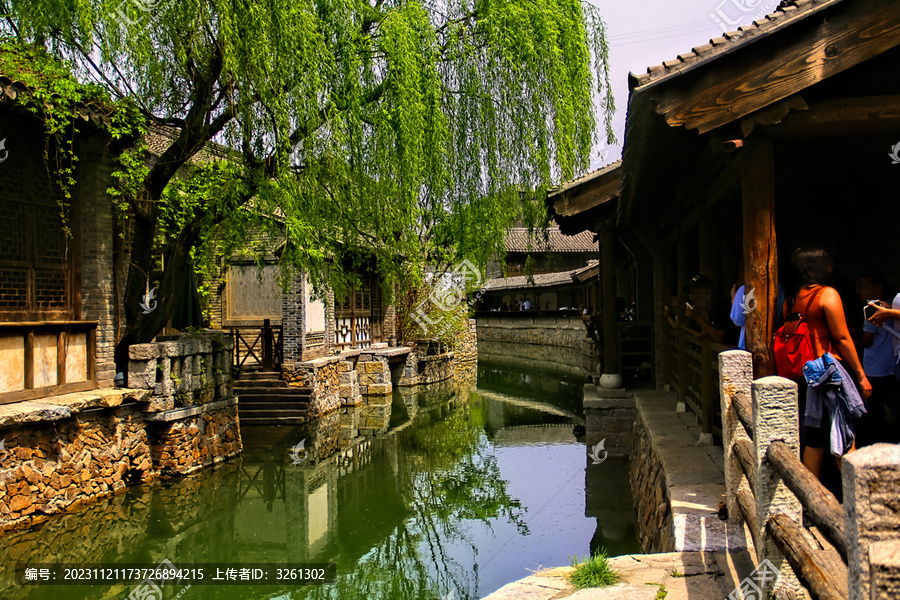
707 383
608 289
267 346
760 250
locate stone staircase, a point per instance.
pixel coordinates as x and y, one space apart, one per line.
265 399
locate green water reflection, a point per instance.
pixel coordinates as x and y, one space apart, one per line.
460 490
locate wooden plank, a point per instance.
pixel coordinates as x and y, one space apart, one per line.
48 325
808 52
843 116
46 392
823 508
580 199
760 250
707 385
61 358
92 355
792 540
29 360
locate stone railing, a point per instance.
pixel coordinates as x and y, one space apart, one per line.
185 371
768 486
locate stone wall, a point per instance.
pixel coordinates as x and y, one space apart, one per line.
183 371
650 493
59 459
98 297
323 375
187 440
66 450
542 328
467 351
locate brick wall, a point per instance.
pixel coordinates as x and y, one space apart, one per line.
98 295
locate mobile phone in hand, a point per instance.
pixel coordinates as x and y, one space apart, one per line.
869 310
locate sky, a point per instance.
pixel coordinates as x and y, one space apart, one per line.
642 33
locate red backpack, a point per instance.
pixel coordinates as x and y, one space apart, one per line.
792 347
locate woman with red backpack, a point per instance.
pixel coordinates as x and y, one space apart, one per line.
820 307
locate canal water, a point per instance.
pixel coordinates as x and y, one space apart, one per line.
446 492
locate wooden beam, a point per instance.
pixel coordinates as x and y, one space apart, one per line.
821 504
809 51
791 539
843 116
744 453
608 298
760 250
741 405
582 198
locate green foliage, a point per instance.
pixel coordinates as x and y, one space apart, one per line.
593 571
400 130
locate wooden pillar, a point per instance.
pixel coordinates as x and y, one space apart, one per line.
608 289
760 249
710 250
268 346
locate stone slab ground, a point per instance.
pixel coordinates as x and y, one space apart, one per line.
680 575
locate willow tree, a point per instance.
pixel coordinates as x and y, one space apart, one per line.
398 127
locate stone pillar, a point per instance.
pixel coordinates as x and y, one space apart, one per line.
871 478
775 417
735 378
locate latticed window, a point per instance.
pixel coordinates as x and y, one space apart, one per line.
35 274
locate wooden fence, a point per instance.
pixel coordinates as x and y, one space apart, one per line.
257 347
769 488
692 371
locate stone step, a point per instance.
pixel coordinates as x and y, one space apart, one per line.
249 375
270 394
273 406
260 383
261 414
251 421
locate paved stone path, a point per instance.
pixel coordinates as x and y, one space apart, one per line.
669 576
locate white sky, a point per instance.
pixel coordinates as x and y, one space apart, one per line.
647 32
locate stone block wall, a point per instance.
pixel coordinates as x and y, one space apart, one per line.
324 377
185 371
201 438
650 493
539 329
50 466
467 350
374 375
348 379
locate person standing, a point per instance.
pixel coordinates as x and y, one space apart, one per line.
810 268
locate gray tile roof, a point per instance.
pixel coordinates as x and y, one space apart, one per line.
540 280
519 240
784 14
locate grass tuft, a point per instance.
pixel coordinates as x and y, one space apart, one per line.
593 571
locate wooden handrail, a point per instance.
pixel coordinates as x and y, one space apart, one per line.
791 540
747 505
824 509
744 412
743 452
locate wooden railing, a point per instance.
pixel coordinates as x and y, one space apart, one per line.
260 347
47 358
768 486
692 371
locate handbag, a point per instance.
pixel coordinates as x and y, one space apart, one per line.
792 346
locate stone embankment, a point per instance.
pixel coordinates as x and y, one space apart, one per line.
178 416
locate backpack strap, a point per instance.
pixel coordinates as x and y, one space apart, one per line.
808 304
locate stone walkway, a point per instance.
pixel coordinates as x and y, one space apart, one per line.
670 576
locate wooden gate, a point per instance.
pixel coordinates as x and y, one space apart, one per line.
358 318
